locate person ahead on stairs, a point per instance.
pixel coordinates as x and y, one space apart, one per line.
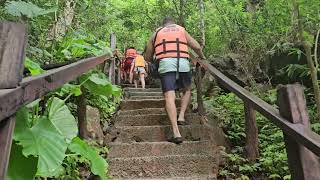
130 54
170 45
138 70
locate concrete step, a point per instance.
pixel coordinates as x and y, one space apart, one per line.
152 119
128 134
144 149
145 93
162 166
145 111
139 86
142 90
145 97
146 103
204 177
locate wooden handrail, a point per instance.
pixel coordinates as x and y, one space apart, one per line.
298 132
303 135
34 87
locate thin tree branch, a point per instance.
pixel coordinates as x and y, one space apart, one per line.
316 50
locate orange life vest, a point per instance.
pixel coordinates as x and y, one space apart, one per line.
139 61
171 41
131 53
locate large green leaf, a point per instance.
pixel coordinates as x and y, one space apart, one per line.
62 119
97 164
33 67
98 84
69 89
41 140
19 8
116 91
21 167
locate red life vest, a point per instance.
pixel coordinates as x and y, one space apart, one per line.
131 53
171 42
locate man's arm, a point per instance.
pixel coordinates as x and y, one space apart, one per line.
193 44
150 50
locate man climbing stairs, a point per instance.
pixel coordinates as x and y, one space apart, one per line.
140 149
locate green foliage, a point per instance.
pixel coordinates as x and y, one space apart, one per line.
273 159
97 163
28 9
21 167
97 83
33 68
79 46
62 119
40 139
41 143
106 106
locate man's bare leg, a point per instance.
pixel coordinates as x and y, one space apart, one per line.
170 98
143 83
130 77
184 103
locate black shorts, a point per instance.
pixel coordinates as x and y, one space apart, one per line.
170 83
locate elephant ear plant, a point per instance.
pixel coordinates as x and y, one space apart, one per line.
43 141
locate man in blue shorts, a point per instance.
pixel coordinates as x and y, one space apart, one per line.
170 45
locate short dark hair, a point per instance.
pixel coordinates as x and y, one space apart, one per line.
167 20
131 47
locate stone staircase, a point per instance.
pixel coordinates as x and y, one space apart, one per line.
139 147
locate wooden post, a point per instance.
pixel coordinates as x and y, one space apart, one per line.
303 164
252 149
112 73
82 114
6 133
198 82
12 53
119 72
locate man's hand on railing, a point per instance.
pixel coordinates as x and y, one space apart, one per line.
201 62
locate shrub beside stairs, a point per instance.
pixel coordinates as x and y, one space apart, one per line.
139 147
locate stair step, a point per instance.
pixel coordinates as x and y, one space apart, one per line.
129 134
145 111
163 166
139 86
145 97
152 119
145 93
205 177
142 90
144 149
141 104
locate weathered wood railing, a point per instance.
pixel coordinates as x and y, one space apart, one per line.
16 91
302 144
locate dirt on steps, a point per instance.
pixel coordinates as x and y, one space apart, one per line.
145 111
145 103
153 119
177 178
142 149
142 90
161 133
139 147
163 166
146 97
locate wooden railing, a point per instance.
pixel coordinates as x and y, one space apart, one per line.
302 144
16 91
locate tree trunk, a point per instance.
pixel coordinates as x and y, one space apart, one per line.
60 28
181 16
202 24
310 61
